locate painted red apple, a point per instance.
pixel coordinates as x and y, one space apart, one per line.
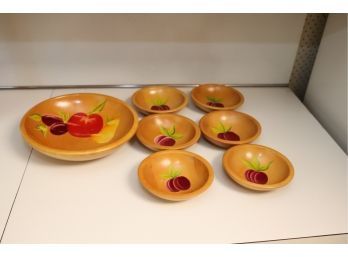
162 107
255 173
159 104
214 101
175 182
225 133
168 137
84 125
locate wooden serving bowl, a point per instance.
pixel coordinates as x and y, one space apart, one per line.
79 127
220 128
213 97
245 163
175 175
167 131
159 99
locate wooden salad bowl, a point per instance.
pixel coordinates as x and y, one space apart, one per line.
79 127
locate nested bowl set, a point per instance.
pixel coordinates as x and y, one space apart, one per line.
87 126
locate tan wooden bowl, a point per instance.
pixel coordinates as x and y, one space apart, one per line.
159 99
243 125
167 131
213 97
175 175
256 158
79 127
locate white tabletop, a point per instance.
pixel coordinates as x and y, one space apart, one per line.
102 201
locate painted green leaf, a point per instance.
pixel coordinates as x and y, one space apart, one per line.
215 130
171 172
249 164
43 129
99 107
256 163
111 122
220 128
214 99
266 166
35 117
158 101
64 116
177 136
164 131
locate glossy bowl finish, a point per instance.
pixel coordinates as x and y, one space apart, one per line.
244 125
156 170
208 97
79 127
280 171
166 99
167 131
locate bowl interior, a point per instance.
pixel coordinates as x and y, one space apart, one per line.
166 130
150 96
239 123
225 95
237 159
80 112
159 168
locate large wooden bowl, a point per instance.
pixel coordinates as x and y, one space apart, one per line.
175 175
222 128
246 163
213 97
79 127
167 131
159 99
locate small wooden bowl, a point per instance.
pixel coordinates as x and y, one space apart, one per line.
159 99
79 127
237 160
214 123
163 174
167 131
213 97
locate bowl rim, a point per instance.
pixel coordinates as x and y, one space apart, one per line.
170 195
204 105
147 110
104 148
247 184
229 142
151 146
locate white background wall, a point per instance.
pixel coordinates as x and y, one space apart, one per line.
67 49
326 95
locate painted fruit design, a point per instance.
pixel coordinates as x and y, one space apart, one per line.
225 133
159 104
167 137
79 124
174 181
255 172
214 101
